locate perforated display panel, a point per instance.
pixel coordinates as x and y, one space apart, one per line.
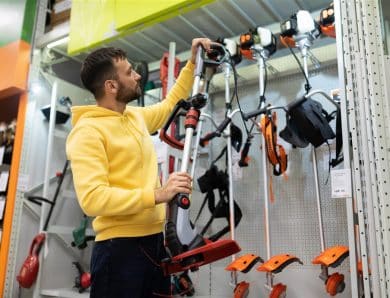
293 216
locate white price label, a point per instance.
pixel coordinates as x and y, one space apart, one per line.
341 183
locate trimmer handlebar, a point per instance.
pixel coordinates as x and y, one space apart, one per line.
244 162
255 113
247 116
182 200
196 102
217 55
217 133
170 140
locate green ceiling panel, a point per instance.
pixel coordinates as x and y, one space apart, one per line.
91 23
131 16
95 22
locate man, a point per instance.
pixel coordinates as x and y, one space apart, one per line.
115 175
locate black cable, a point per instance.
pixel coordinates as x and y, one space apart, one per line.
262 96
265 77
307 85
57 191
223 151
235 94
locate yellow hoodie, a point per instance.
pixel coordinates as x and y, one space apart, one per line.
114 163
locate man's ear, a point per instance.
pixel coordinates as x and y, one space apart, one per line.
111 86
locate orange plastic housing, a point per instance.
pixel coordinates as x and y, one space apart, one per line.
329 30
247 54
288 41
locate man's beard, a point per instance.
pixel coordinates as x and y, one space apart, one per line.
127 95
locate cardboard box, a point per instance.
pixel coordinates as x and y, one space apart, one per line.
60 12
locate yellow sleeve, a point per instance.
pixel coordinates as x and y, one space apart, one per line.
156 115
86 152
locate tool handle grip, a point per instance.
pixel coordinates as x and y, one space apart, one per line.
182 200
254 113
244 160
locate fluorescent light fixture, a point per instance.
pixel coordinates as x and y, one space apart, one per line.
58 42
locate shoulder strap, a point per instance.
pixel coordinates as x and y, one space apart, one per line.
339 141
275 152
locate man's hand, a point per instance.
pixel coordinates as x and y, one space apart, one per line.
178 182
204 42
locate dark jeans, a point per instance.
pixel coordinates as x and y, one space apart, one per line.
129 268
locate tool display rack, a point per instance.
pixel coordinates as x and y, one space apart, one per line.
365 103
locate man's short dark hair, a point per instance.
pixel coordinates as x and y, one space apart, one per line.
99 67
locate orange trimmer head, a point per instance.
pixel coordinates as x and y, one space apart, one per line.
335 284
241 290
278 291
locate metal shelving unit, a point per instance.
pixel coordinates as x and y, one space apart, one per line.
362 72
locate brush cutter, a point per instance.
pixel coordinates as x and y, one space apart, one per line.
187 248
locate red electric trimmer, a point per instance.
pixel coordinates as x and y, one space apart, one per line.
188 249
83 279
29 271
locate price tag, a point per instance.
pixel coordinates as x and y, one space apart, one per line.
341 183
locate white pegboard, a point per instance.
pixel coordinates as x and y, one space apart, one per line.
294 219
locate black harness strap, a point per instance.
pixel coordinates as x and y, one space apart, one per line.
211 180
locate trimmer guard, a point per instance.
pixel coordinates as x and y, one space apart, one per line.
277 263
193 259
244 263
333 256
